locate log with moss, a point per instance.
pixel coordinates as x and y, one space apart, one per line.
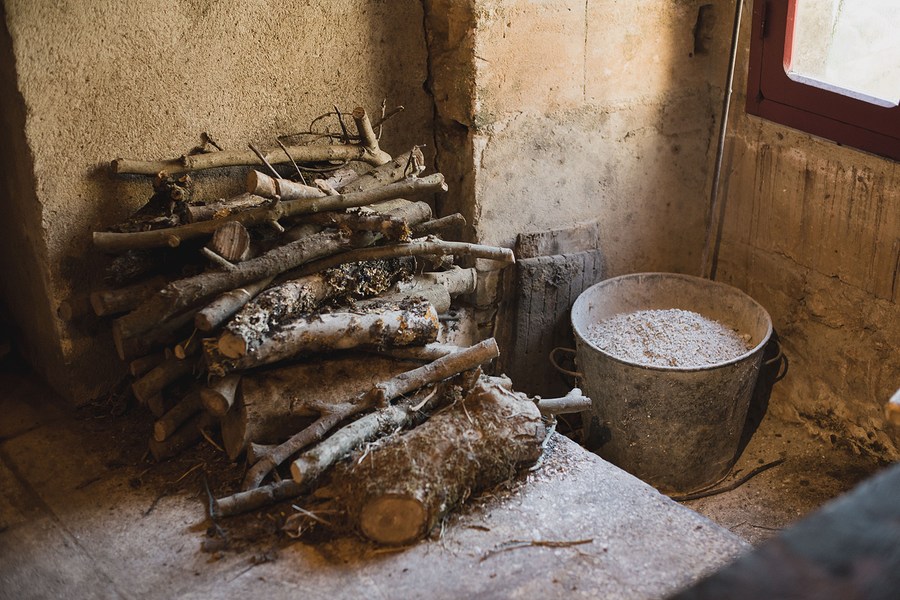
398 491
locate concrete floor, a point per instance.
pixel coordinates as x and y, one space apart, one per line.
814 471
84 513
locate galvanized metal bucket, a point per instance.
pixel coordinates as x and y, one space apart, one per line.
676 428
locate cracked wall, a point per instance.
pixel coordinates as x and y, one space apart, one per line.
812 231
85 82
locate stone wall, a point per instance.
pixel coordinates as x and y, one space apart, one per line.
812 231
85 82
557 112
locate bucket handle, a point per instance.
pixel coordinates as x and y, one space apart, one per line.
782 360
556 366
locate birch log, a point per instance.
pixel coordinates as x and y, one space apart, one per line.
246 331
406 324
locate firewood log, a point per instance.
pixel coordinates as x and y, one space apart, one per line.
167 372
183 438
405 324
235 158
381 394
110 302
191 291
222 208
246 331
225 306
114 242
422 247
231 241
398 491
405 165
219 394
273 405
166 425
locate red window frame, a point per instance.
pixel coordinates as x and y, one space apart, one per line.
771 94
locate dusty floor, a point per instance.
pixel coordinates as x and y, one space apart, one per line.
813 472
84 511
85 514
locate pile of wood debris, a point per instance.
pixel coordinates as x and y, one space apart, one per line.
302 320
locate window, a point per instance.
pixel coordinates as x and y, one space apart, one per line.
830 68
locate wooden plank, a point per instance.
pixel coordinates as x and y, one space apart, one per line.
578 238
547 286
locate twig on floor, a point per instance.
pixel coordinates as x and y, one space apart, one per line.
188 472
515 544
731 486
766 528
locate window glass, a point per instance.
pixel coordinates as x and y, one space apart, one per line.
850 47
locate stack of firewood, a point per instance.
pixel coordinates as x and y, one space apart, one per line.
307 272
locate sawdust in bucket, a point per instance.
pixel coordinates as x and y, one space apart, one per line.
667 338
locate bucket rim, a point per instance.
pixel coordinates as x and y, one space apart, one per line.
745 356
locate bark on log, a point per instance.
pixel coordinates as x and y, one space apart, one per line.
225 306
410 323
397 169
246 331
169 423
159 404
378 395
274 405
436 288
187 293
186 436
164 333
219 395
223 208
231 241
266 186
110 302
169 371
427 353
144 364
573 402
345 181
237 158
398 491
435 226
407 187
113 242
256 498
339 178
391 228
310 465
414 248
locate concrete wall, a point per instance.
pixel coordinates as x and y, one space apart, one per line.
555 112
85 82
812 231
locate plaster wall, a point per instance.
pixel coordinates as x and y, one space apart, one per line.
812 231
582 111
85 82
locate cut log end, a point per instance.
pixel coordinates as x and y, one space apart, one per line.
214 402
393 520
231 345
261 184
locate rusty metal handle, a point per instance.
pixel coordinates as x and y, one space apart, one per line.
782 360
559 368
